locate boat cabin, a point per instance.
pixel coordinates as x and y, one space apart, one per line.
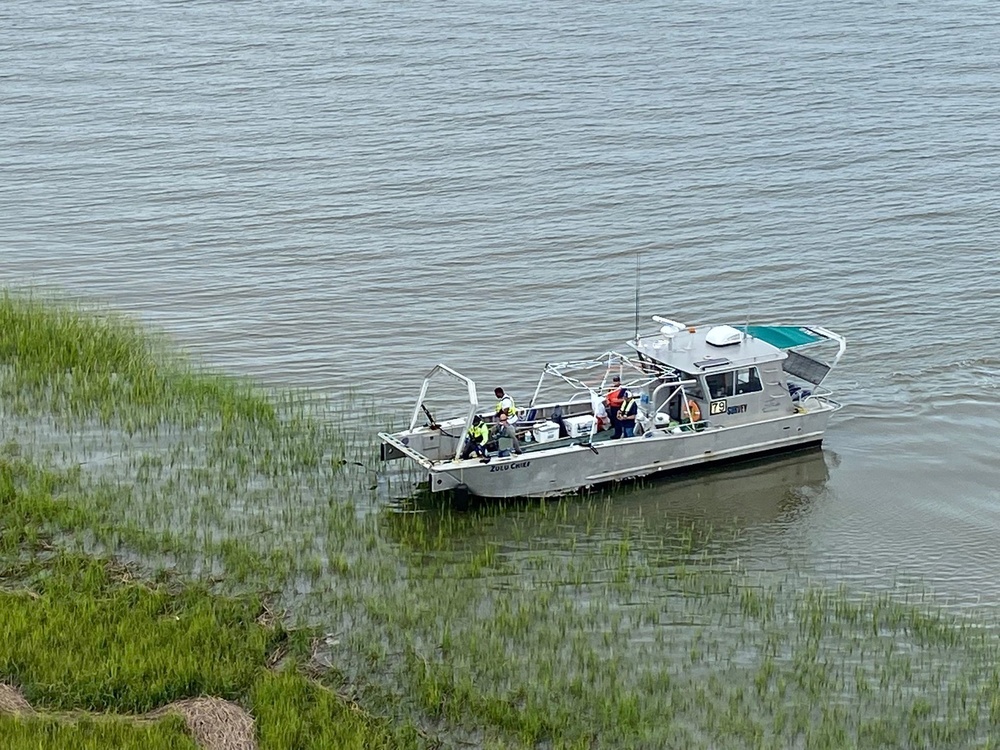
731 378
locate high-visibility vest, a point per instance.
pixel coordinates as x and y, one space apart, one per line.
479 433
629 408
510 410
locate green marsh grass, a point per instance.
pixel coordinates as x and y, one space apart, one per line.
76 639
563 624
87 733
84 635
294 713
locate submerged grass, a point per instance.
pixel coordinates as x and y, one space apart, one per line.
652 647
564 624
95 416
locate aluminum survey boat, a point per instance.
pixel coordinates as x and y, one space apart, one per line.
706 394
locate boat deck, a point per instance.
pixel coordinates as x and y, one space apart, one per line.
531 447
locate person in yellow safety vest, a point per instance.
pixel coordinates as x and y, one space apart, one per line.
627 413
505 405
476 439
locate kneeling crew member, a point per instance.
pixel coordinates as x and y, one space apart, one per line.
476 439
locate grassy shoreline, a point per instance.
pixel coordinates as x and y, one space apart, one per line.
91 642
87 634
152 514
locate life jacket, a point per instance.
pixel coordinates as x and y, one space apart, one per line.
479 433
629 407
615 398
510 411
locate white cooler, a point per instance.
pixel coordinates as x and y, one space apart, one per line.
579 426
545 432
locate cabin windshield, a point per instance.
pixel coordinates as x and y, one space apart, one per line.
694 390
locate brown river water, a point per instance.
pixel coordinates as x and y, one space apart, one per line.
339 196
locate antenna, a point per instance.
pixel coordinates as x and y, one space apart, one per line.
636 294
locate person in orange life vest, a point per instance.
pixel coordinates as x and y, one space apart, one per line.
627 413
612 402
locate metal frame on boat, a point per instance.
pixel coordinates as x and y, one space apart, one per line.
706 394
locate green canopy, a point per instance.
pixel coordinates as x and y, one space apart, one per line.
783 337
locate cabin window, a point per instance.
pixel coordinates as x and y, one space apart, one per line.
720 385
733 383
748 381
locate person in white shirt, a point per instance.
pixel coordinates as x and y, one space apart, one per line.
506 414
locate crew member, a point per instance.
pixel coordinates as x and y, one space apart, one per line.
627 413
505 405
476 439
613 402
504 428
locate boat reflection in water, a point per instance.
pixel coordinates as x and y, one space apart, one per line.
765 493
752 491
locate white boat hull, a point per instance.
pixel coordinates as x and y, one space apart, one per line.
547 472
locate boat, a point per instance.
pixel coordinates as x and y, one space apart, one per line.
706 394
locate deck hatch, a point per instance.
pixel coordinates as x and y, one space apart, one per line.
705 364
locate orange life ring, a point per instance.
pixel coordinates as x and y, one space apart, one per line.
693 410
